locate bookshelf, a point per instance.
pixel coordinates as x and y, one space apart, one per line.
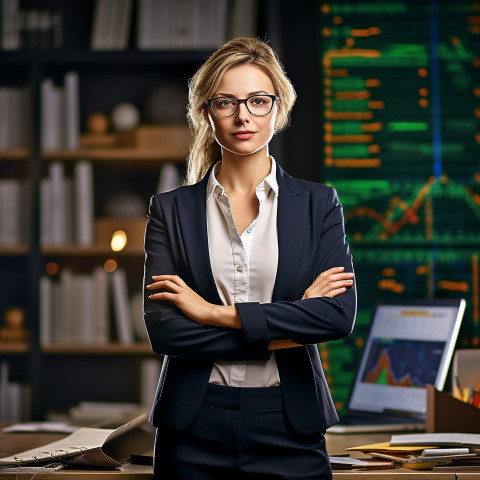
61 373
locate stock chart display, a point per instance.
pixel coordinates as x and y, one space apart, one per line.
400 88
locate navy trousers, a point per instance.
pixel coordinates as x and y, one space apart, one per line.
240 433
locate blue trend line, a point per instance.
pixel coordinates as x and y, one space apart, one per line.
435 76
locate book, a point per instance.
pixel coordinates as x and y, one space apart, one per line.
84 215
121 306
180 24
136 303
46 311
101 304
57 204
15 398
169 178
100 34
122 29
149 375
51 116
45 212
11 212
13 117
243 19
10 24
71 139
67 307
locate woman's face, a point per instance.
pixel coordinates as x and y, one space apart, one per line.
244 133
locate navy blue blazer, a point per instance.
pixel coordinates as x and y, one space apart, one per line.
311 239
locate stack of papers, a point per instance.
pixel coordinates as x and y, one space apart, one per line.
424 451
347 463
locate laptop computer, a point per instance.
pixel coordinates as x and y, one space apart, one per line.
410 345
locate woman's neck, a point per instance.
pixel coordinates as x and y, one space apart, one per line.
242 173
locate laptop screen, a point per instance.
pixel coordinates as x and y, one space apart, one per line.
409 346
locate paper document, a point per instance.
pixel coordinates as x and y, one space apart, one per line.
90 446
434 439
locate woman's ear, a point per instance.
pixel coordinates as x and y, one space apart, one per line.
278 114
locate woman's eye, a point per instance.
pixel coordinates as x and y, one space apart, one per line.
225 103
258 101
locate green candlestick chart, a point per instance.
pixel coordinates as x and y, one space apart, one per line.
400 92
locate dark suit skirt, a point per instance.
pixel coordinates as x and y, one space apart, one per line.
240 433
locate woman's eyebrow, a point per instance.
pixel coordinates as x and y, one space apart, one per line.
222 94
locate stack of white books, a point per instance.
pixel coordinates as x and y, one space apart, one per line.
14 212
60 114
67 213
14 120
111 24
89 309
15 397
193 24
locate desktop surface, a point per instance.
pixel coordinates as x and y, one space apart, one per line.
11 443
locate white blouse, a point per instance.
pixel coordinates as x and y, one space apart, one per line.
244 268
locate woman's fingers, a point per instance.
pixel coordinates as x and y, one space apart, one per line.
173 278
331 282
170 284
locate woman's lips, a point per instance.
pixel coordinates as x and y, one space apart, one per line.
244 135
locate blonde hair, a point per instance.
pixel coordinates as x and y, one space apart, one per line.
204 150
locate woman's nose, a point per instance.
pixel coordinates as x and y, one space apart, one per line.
242 112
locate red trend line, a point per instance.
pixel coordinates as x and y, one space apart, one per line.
410 214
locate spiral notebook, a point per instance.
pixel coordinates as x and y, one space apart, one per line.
101 447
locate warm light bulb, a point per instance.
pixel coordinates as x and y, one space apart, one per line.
119 240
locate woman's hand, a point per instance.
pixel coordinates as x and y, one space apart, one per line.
330 283
175 290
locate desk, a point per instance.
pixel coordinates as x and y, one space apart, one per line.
11 443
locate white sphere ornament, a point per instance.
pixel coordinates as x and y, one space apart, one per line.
125 116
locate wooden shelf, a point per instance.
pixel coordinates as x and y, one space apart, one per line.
13 347
116 154
85 251
14 154
118 59
109 349
13 250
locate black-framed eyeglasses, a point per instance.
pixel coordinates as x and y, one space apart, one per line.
257 105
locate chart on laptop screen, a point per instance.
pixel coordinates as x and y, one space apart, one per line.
408 348
403 363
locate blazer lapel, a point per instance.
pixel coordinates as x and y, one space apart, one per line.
191 209
292 218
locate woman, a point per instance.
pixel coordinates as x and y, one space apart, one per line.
246 270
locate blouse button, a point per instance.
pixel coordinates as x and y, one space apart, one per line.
239 268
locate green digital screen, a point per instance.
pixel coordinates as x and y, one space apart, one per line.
400 136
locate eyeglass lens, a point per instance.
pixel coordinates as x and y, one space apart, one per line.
256 105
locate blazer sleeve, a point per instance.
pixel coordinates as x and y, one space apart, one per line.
312 320
170 331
